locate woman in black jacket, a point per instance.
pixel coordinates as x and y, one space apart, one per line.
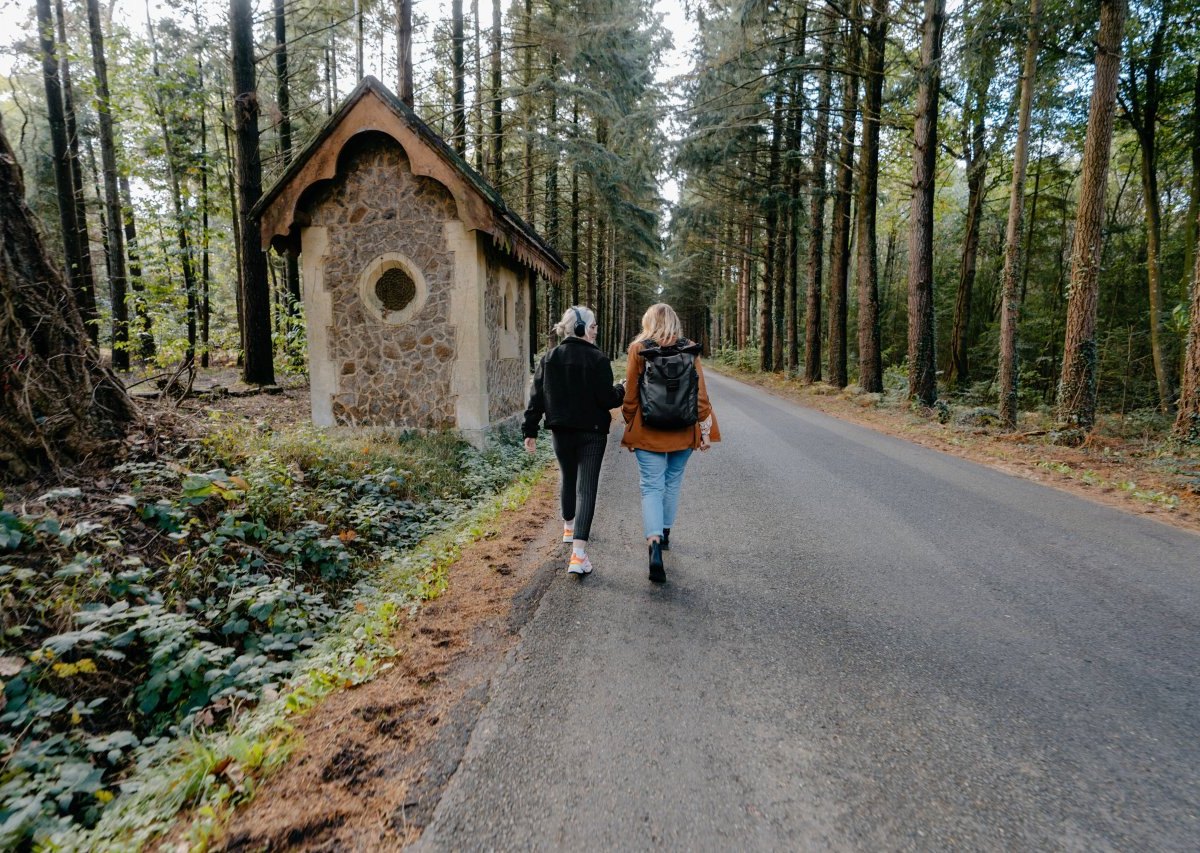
573 388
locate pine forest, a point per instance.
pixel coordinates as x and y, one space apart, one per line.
988 209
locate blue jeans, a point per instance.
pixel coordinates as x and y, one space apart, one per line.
660 478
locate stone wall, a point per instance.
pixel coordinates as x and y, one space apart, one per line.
388 375
507 361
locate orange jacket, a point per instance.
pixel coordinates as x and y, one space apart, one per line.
638 436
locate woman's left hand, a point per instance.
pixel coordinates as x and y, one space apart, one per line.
531 445
705 446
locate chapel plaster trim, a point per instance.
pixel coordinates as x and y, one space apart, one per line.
318 311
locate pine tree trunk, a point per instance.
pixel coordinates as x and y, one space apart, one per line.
839 267
527 84
77 265
1010 310
1187 419
816 216
258 368
181 231
976 150
115 217
795 126
768 343
922 349
404 34
1142 114
496 173
1077 386
58 403
88 305
477 107
459 137
283 98
870 359
1191 230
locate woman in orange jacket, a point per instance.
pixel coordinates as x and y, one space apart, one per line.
662 454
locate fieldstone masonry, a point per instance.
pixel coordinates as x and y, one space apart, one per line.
416 276
387 375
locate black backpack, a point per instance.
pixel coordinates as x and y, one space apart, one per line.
669 387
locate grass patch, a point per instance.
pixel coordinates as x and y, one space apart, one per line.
161 628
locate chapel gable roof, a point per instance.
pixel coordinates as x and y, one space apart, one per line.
372 107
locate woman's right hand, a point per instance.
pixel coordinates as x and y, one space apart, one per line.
531 445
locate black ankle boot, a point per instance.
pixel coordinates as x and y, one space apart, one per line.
657 574
666 540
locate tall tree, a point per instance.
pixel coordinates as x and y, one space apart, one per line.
1010 308
1187 420
459 136
922 350
770 349
839 244
1077 386
816 216
58 403
174 167
283 99
496 165
78 261
404 34
258 367
115 217
982 45
1141 103
870 360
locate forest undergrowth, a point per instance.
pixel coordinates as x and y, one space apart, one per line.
161 620
1129 459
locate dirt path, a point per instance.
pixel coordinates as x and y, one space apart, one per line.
373 760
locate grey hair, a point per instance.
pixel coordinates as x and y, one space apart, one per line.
565 328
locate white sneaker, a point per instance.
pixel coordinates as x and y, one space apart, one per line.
579 565
568 533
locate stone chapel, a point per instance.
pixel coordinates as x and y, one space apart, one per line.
418 280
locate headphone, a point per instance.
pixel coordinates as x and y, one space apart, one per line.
580 326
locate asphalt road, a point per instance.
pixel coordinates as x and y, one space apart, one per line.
862 645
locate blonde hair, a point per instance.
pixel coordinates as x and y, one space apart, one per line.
660 324
565 328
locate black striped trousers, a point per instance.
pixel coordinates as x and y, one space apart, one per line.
580 454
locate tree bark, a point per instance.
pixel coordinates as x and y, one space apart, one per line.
770 350
73 250
1077 386
839 248
496 173
870 359
1187 419
459 136
88 273
1010 305
283 97
115 217
477 106
181 230
976 151
922 340
404 66
58 403
1142 114
258 368
816 216
1191 230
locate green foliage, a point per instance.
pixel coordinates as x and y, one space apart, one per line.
183 601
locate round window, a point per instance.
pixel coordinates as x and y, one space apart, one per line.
392 288
395 289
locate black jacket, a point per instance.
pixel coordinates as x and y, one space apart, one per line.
573 387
